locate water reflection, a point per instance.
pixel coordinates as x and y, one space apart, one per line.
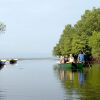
83 84
81 77
2 91
31 83
70 74
1 66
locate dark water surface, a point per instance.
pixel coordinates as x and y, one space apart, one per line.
43 80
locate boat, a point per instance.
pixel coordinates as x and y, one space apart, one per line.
71 66
2 62
12 61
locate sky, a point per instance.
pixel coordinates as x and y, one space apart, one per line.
34 26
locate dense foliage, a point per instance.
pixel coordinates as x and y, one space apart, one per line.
84 36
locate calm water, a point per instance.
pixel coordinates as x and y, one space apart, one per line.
43 80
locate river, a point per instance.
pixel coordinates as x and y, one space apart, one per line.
41 79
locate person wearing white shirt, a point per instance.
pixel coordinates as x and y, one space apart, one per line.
71 58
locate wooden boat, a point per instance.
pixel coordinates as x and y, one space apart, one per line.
12 61
71 65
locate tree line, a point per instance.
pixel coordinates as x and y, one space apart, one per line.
84 36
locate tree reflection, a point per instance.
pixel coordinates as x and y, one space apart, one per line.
83 84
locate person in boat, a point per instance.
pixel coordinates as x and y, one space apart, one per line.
61 60
71 58
66 59
81 57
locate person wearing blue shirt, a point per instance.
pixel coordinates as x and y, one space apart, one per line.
81 57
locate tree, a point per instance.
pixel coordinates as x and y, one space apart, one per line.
64 46
80 43
83 36
90 21
94 43
56 50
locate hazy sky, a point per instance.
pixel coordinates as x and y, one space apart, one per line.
35 26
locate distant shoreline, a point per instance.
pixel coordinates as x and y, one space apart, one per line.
35 58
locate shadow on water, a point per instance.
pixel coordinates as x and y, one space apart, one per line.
2 92
81 84
1 66
12 63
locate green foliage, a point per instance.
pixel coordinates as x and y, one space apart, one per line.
80 43
64 46
94 43
83 36
56 50
90 21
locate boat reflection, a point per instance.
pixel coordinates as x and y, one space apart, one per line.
67 74
83 84
1 66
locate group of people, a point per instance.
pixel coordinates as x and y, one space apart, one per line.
72 59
